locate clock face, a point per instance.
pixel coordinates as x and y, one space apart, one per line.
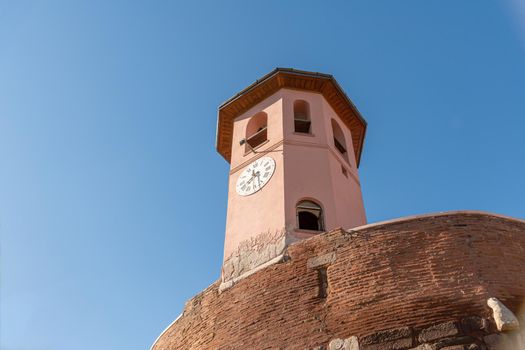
255 176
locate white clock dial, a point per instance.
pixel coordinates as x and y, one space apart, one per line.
255 176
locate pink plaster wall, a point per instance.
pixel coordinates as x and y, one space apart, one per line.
250 216
313 167
272 106
307 167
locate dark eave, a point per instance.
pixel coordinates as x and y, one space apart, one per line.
280 78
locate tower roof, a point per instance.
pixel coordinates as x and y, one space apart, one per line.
277 79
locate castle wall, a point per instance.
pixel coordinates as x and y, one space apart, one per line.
411 272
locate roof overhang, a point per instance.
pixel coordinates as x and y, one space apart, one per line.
280 78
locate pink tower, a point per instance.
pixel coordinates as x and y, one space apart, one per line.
293 140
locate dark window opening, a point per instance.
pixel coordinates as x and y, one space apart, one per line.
256 131
301 116
344 171
339 146
308 221
309 216
302 126
339 139
259 137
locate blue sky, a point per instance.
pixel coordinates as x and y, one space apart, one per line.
112 196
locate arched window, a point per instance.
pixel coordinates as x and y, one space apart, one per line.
339 139
256 130
309 216
301 116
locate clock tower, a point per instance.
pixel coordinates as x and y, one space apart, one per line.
293 140
293 276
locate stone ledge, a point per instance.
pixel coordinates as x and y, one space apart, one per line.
322 260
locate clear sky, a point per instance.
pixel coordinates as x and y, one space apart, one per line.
112 196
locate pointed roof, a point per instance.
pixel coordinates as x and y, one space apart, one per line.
279 78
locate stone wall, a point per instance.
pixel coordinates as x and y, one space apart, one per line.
470 333
406 274
251 254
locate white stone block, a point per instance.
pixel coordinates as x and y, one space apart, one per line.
505 319
344 344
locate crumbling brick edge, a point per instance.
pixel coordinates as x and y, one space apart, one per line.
228 284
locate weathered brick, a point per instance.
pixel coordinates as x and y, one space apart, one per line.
410 272
449 343
438 331
387 335
474 324
390 345
423 347
492 341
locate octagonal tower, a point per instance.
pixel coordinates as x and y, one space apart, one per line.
294 141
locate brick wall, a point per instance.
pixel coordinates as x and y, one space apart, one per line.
412 272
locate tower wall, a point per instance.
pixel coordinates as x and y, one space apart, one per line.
253 221
308 166
405 274
313 167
